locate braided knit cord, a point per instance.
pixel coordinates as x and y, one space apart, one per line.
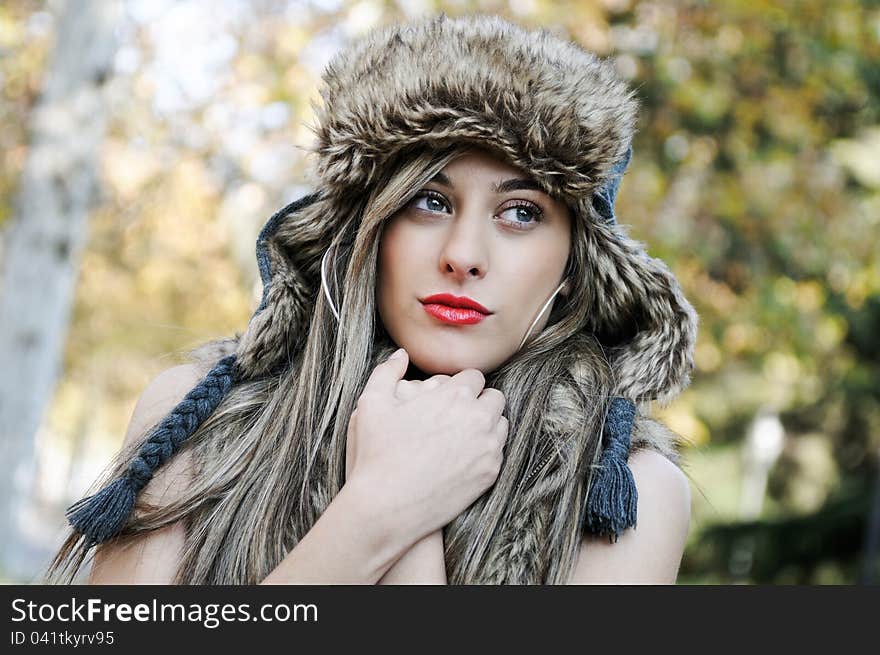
613 498
104 514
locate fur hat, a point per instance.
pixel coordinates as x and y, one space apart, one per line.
549 107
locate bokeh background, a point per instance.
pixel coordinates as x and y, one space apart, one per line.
144 142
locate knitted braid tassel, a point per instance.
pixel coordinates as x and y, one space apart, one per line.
104 514
611 506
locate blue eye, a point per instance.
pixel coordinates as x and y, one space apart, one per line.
431 196
532 210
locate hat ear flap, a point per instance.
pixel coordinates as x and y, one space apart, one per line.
287 248
640 302
604 199
278 329
275 331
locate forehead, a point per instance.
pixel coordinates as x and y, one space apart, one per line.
480 166
486 160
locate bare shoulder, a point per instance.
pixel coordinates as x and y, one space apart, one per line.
159 397
152 558
651 552
661 478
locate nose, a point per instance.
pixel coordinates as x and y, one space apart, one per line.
464 254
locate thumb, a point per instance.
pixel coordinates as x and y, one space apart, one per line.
386 375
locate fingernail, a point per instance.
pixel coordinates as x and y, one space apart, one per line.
397 354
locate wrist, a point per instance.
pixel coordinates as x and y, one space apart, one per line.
383 522
424 563
350 543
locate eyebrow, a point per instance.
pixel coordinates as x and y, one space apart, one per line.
514 184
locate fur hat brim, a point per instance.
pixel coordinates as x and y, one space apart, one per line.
552 108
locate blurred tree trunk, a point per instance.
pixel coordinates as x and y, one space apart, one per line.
57 192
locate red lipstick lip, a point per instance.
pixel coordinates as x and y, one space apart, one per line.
461 302
453 315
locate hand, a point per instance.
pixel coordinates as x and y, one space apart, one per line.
426 449
405 390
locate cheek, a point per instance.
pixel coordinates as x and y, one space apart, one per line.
533 272
396 270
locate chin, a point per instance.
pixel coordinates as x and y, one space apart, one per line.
445 362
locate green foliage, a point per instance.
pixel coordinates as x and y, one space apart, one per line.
763 113
824 547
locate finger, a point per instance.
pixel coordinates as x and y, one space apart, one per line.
471 378
436 380
502 429
386 375
493 399
430 384
407 389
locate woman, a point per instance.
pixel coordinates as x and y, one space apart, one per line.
464 221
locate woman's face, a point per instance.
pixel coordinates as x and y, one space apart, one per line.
505 249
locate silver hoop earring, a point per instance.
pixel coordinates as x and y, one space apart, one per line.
543 309
324 285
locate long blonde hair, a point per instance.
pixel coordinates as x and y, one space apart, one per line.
271 457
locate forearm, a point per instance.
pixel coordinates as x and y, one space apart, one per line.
350 543
423 563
